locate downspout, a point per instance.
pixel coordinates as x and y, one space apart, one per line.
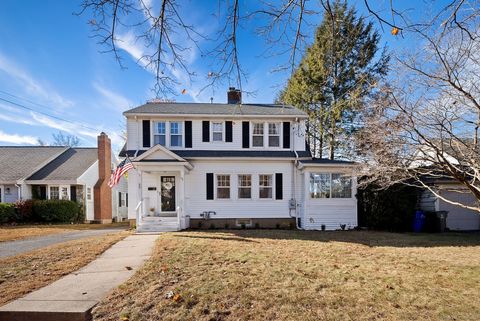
294 171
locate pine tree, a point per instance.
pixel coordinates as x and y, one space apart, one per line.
338 71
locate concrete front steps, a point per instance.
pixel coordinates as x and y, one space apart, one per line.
158 224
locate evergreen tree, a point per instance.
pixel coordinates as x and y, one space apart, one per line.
338 71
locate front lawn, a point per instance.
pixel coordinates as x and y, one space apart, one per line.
297 275
18 232
22 274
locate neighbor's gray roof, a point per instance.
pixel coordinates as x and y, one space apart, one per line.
17 162
68 166
216 109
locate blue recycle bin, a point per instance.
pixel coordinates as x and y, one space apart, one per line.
419 221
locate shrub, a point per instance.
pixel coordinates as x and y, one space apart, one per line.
7 212
24 210
56 210
391 209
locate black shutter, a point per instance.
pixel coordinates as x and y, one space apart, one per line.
228 132
205 131
278 186
245 134
119 199
146 133
286 134
188 134
209 186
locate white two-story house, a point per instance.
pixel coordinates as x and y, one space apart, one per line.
209 165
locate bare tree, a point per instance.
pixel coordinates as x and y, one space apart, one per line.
422 128
61 139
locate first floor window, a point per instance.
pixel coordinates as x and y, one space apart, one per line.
176 134
8 191
64 193
54 193
223 186
217 132
159 135
257 136
265 183
244 186
273 135
341 186
326 185
89 193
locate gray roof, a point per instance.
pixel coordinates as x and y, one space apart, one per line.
20 161
68 166
314 161
227 153
216 109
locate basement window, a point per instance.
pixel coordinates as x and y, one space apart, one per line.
247 222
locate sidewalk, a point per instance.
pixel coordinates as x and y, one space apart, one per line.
72 297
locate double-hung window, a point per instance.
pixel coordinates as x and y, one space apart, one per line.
257 135
64 193
217 132
175 134
159 135
54 193
223 186
327 185
273 135
265 183
244 186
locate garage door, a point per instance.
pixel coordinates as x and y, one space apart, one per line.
459 218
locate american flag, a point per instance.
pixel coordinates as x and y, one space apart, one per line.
122 168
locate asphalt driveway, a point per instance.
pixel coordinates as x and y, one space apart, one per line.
11 248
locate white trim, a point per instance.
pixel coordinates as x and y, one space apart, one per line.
159 148
147 116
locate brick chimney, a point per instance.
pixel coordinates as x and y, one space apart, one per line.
101 192
234 96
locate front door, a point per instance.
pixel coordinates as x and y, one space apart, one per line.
167 193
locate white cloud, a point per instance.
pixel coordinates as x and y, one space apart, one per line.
17 139
70 128
112 99
30 85
128 42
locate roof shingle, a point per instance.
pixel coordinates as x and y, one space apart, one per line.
19 162
217 109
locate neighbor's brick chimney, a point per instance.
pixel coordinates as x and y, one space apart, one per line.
234 96
102 193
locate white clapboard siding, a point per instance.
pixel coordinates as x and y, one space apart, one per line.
427 201
10 194
195 190
134 134
329 212
459 218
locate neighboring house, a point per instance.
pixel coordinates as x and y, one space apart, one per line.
231 165
458 218
50 172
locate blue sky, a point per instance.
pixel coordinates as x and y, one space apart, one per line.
50 63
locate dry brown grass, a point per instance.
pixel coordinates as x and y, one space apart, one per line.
11 233
27 272
296 275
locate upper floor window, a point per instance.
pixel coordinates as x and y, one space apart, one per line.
244 186
273 135
217 132
257 139
176 134
326 185
223 186
159 135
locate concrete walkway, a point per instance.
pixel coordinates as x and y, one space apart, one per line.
26 245
72 297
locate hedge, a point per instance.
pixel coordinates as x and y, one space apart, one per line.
7 212
57 211
391 209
